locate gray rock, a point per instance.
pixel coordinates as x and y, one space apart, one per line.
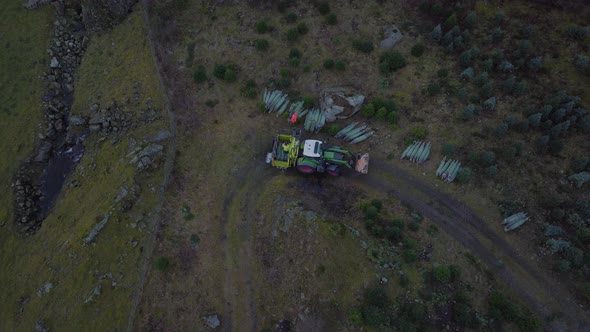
94 127
44 151
161 135
96 119
54 63
45 289
392 36
94 108
97 228
94 292
212 321
41 326
77 121
340 103
59 125
32 4
122 194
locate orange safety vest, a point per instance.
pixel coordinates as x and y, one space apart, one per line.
294 118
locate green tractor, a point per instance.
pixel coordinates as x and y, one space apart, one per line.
311 156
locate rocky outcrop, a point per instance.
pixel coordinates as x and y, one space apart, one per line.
104 14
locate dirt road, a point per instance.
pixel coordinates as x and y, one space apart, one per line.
541 293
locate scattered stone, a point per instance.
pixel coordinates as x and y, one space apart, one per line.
45 289
340 103
44 151
41 326
122 194
94 292
97 228
384 280
161 135
212 321
33 4
392 36
54 63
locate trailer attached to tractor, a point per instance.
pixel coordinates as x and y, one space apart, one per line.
311 155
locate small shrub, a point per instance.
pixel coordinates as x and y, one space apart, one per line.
441 274
392 117
451 21
371 212
582 63
462 94
162 264
291 17
482 79
501 130
200 75
413 226
491 171
487 158
292 35
329 64
391 61
436 33
362 45
248 89
442 73
418 50
410 255
219 71
302 28
377 231
331 19
490 104
509 84
294 62
404 281
368 111
505 67
308 102
261 44
340 65
324 8
580 164
418 133
464 175
294 53
229 75
576 32
377 203
471 19
212 102
261 27
433 89
468 112
381 114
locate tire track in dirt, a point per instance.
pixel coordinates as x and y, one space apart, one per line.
542 294
239 212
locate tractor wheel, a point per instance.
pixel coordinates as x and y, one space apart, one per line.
306 167
333 170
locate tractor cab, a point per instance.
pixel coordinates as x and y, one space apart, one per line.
312 148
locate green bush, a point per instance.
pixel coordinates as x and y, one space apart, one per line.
464 175
451 21
381 114
294 62
229 75
433 89
442 73
392 117
491 171
291 17
162 264
504 306
582 63
261 44
329 64
441 274
212 102
292 35
413 226
390 61
393 233
308 101
418 133
340 65
371 212
489 104
368 111
362 45
404 281
219 71
324 8
509 84
418 50
487 158
501 130
248 89
302 28
576 32
261 27
448 149
200 75
471 19
377 203
410 255
331 19
334 129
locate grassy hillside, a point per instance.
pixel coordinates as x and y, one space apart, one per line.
117 66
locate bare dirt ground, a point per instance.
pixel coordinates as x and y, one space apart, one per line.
226 279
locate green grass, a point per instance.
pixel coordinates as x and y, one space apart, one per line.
25 36
56 253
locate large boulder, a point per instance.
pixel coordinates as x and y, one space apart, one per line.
392 36
104 14
340 103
